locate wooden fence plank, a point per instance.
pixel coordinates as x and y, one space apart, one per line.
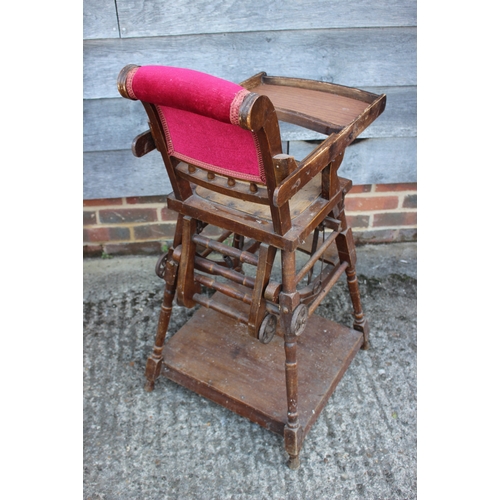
353 57
373 161
155 18
113 174
99 19
111 124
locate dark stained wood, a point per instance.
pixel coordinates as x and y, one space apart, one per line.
298 203
253 81
230 219
319 111
216 269
283 166
323 87
258 305
187 287
246 257
214 356
153 364
257 113
143 144
228 290
329 256
121 81
318 254
224 352
327 286
330 182
221 184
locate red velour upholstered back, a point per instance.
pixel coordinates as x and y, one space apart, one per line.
199 114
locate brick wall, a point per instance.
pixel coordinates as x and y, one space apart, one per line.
378 213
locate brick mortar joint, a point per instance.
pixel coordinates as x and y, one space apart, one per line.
96 207
132 239
380 194
124 206
128 224
382 211
383 228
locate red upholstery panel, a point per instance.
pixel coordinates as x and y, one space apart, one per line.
199 114
221 147
185 89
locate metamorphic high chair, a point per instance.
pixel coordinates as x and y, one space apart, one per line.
255 347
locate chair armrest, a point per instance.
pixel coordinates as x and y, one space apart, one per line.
320 157
143 144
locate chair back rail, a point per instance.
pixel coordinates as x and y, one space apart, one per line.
256 114
342 112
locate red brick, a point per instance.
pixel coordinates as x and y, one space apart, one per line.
89 218
137 248
358 220
392 219
92 250
167 214
410 201
135 200
379 236
103 202
361 188
104 234
154 231
370 203
403 186
124 215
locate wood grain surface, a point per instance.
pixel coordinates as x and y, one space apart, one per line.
214 356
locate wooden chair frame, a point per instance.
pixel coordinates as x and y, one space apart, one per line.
264 305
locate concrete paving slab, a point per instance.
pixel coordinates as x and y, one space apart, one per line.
173 444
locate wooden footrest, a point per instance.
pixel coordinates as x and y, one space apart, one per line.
214 356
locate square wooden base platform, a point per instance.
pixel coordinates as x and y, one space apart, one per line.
214 356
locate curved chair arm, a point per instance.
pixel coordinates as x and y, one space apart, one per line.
325 153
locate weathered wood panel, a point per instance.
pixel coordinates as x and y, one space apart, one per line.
111 124
373 161
365 44
354 57
156 18
113 174
99 19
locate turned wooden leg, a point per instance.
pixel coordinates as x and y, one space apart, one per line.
293 322
360 322
292 428
347 253
154 362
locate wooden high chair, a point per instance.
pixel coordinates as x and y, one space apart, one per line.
256 346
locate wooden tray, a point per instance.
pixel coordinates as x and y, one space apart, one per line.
214 356
321 106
